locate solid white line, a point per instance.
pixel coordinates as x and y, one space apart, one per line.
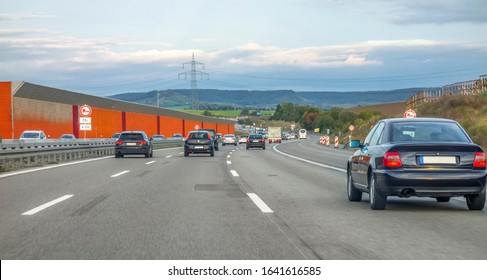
309 161
229 162
121 173
49 204
234 173
260 203
51 166
150 162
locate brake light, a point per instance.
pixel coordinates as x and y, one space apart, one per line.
392 160
248 140
479 161
143 142
118 142
208 135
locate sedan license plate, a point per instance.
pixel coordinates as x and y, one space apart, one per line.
198 147
437 160
131 144
256 141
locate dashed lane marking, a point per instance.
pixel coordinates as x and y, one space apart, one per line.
260 203
234 173
121 173
46 205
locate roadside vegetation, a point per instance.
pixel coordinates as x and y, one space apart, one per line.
469 111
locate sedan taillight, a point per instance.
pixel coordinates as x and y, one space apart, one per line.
118 142
392 160
479 161
143 142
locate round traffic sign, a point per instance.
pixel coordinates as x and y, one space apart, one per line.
351 127
410 114
196 127
85 111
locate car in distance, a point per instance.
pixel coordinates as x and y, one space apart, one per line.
67 137
229 139
133 143
158 137
214 137
242 139
423 157
32 135
199 142
255 141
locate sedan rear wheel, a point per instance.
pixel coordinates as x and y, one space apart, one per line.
476 201
353 193
377 201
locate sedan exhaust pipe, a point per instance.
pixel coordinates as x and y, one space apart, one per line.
407 193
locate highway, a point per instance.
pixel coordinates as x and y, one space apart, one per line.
287 202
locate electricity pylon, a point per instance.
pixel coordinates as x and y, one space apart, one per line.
193 73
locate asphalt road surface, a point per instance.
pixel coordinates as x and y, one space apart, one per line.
287 202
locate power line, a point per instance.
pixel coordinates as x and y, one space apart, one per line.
193 73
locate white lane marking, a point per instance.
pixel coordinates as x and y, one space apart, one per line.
234 173
46 205
228 156
260 203
150 162
51 166
309 161
229 162
168 156
121 173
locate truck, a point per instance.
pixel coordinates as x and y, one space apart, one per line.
274 134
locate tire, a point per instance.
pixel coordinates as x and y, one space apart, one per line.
212 153
352 192
186 153
263 148
443 199
117 155
223 144
216 147
147 154
377 201
476 201
247 147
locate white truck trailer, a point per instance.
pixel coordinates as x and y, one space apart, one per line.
274 134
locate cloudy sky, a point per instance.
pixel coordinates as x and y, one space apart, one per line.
105 47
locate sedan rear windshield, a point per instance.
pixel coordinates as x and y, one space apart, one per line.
428 131
131 136
255 136
198 135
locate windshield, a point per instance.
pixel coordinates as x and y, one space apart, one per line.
428 131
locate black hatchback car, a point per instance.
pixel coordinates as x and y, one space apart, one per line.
256 141
199 142
133 143
424 157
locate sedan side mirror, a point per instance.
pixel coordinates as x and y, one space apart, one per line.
355 144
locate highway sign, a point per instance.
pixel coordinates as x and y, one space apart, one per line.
85 120
410 114
85 111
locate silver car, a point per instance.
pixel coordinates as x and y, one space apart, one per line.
229 139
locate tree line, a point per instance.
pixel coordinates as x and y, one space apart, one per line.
309 117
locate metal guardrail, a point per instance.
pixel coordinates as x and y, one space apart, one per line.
16 154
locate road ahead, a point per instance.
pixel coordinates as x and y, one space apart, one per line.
285 202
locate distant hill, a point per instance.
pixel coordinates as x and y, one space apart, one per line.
174 98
